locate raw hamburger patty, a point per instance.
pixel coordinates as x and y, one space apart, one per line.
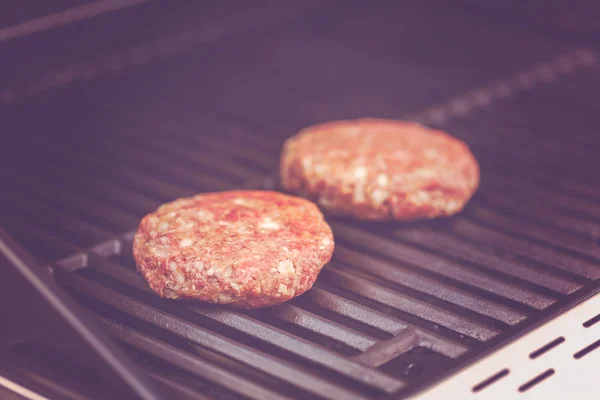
245 248
379 169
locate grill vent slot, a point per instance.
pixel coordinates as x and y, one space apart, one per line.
489 381
587 350
535 381
591 321
546 348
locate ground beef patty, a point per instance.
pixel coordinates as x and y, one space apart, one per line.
379 169
245 248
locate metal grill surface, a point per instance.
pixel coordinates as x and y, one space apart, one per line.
400 304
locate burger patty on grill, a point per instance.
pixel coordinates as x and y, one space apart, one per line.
379 169
245 248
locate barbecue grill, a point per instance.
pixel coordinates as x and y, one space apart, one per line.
498 301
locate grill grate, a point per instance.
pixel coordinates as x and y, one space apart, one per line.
399 305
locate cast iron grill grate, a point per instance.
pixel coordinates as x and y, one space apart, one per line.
399 305
393 296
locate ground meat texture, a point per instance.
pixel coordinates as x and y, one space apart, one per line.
248 249
375 169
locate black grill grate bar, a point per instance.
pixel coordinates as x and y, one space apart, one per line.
513 162
72 229
539 212
439 265
237 321
145 184
165 190
287 312
355 311
131 176
580 189
389 324
446 347
538 102
415 281
579 230
176 185
553 180
508 120
299 347
88 208
434 342
235 147
467 252
111 193
544 171
381 321
162 166
226 139
408 305
68 223
244 136
198 158
525 229
445 335
215 342
515 145
383 352
323 326
262 140
517 156
572 205
185 361
43 244
531 250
